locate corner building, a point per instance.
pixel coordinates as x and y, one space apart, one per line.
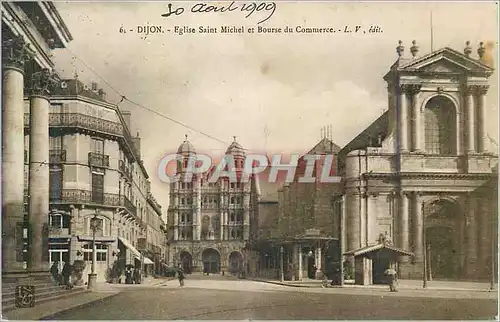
95 169
209 223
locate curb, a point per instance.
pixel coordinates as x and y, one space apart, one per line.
79 306
377 288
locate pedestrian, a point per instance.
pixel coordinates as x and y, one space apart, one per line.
180 276
54 271
66 273
392 278
137 276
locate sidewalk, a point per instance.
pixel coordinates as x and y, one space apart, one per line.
403 284
54 306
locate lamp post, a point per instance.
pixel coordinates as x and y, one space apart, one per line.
94 225
282 272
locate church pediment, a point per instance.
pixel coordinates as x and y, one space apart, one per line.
446 60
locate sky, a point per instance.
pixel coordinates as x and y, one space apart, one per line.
274 92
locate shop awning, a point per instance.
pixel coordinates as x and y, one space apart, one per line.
134 251
147 261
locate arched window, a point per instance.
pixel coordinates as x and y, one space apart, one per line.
440 126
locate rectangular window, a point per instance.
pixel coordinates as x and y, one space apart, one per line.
55 183
97 187
97 146
55 143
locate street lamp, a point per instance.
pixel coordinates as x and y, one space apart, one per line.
94 226
282 272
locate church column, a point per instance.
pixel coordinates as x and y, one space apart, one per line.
481 115
246 215
301 272
417 116
484 235
404 221
353 221
363 222
469 103
317 262
197 193
176 224
418 228
14 54
403 119
42 83
471 227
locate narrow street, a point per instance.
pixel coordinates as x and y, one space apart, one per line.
214 299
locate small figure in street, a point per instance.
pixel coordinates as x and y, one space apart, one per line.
66 274
54 271
180 276
137 276
392 276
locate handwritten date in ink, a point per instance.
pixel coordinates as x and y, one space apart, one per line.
248 8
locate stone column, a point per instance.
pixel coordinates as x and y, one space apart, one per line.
42 84
418 229
403 119
353 221
484 235
417 116
481 115
14 54
471 227
197 192
404 222
176 225
246 216
362 223
318 263
471 128
300 262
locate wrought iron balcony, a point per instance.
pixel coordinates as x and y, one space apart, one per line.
98 160
125 170
58 231
57 156
76 196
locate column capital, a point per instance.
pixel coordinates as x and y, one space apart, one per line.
15 52
481 89
468 89
409 88
43 82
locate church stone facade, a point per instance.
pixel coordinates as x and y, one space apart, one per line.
209 222
422 173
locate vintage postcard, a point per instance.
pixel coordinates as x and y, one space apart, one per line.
236 160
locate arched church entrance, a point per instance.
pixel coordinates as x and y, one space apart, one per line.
186 262
442 242
440 126
211 260
235 262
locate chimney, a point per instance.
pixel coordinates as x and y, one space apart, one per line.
126 117
94 86
137 143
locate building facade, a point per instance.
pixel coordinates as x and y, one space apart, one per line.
416 174
95 172
209 222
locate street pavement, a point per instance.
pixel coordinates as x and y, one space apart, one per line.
216 297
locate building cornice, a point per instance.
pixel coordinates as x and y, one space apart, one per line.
427 175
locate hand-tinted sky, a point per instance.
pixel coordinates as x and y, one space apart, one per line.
274 92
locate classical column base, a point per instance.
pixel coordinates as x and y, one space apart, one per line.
406 270
318 275
92 282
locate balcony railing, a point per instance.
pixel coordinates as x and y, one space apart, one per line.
57 156
75 196
90 123
125 170
98 160
57 231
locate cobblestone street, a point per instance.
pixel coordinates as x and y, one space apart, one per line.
214 298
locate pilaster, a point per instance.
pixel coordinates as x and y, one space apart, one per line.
403 118
471 129
481 91
404 222
471 227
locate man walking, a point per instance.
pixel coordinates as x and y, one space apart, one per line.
66 273
180 276
391 273
54 271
